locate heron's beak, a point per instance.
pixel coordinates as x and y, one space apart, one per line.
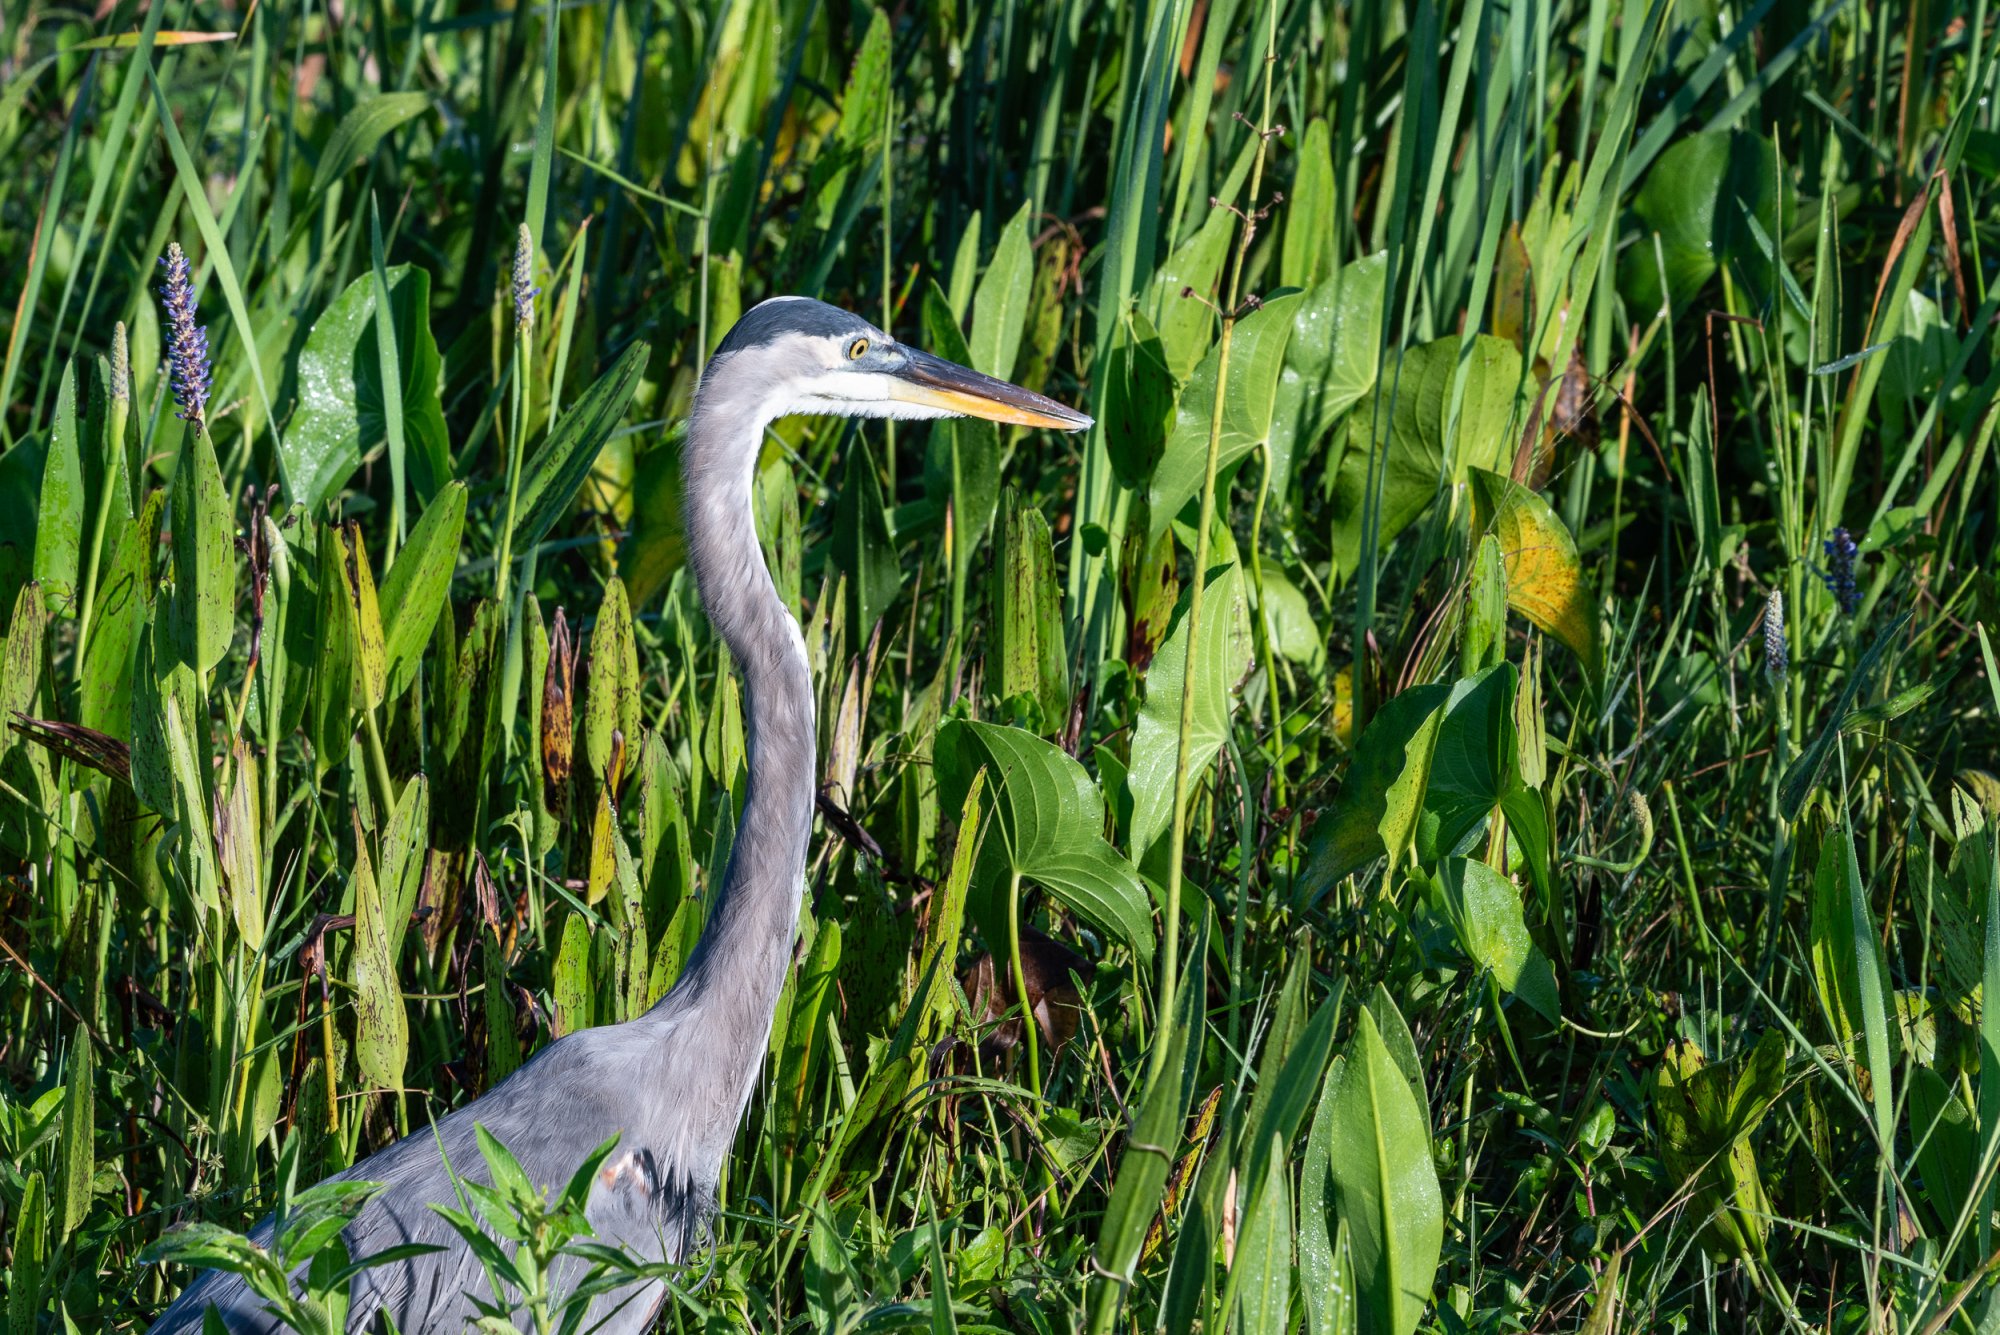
936 383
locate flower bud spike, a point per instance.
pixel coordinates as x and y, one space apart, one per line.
187 342
1777 658
525 290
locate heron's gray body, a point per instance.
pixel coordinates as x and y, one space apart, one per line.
671 1084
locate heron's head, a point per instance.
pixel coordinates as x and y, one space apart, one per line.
814 358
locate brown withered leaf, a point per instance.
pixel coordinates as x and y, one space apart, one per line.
1046 964
559 718
1183 1171
86 746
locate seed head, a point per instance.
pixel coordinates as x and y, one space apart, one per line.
1777 659
1840 555
121 365
187 342
525 290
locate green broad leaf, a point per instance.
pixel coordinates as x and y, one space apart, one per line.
1545 580
665 856
179 743
360 130
202 614
471 725
1385 1185
23 675
342 413
371 651
1048 828
1033 675
799 1045
1186 322
863 548
965 269
1398 1042
1329 363
1224 655
1703 490
1001 308
503 1044
1482 636
552 478
1705 1114
1311 244
1947 1145
1848 967
611 691
152 769
1485 908
77 1163
943 1320
1138 397
1421 456
381 1026
947 922
418 586
1295 632
1404 796
20 504
572 989
314 1218
1695 199
29 1248
1472 767
239 844
1288 1075
59 516
1326 1261
1256 359
1348 837
124 608
629 917
337 633
405 843
864 105
1263 1264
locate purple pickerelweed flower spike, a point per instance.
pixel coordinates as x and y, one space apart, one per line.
1840 554
187 342
525 290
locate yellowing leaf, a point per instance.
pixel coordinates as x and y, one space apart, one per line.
1544 576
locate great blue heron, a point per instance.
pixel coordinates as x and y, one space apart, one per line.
671 1084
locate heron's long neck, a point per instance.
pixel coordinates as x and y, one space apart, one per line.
737 971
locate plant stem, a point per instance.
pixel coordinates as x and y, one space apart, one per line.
1170 947
516 452
1261 628
1028 1036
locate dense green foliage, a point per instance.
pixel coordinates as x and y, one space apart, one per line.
1584 861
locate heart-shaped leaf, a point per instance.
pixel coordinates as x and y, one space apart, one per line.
1222 657
1256 358
341 414
1486 911
1420 454
1330 362
1048 827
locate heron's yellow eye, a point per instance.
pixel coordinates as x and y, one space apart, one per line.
857 349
